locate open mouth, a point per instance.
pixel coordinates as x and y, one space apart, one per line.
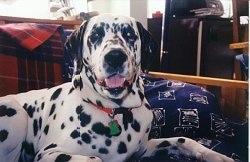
114 84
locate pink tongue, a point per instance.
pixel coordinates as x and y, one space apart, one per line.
115 81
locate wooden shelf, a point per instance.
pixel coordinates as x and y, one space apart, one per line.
240 45
68 24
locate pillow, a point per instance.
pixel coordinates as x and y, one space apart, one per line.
183 109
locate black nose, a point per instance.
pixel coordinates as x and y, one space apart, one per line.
115 58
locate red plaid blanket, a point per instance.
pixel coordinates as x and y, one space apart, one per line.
31 57
29 35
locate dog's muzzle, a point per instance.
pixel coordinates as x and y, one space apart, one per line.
114 66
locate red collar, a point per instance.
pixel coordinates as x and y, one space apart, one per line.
104 109
111 111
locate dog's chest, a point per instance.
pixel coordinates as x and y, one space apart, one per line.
87 131
98 140
64 119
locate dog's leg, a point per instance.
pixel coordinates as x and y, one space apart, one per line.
58 156
13 129
161 148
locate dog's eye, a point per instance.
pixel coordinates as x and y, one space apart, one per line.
96 35
129 34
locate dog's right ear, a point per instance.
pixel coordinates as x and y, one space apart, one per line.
148 48
74 48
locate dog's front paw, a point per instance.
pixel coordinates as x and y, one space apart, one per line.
212 156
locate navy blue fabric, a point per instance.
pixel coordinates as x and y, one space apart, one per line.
243 58
183 109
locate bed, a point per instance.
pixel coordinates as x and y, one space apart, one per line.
183 105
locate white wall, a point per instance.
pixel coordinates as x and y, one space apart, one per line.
138 10
110 6
155 5
25 8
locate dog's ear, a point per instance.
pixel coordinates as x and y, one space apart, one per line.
148 47
74 48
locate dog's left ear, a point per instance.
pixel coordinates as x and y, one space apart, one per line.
74 49
148 47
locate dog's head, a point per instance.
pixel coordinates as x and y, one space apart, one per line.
108 51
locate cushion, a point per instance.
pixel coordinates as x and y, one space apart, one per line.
183 109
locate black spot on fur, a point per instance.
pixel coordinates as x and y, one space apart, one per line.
75 134
129 137
28 148
40 122
52 110
79 142
86 138
25 106
118 101
62 126
50 146
30 110
35 127
147 106
71 90
78 83
127 116
6 111
108 142
141 95
136 126
54 117
3 135
99 103
42 105
85 119
103 151
46 129
92 80
164 144
181 140
79 109
100 129
63 158
122 148
39 157
71 118
56 94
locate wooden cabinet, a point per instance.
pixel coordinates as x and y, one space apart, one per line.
196 46
154 27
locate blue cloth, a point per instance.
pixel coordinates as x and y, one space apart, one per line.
243 58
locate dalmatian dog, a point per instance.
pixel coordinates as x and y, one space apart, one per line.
102 115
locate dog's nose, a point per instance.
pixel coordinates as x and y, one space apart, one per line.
115 58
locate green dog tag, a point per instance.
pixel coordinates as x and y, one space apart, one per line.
115 128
